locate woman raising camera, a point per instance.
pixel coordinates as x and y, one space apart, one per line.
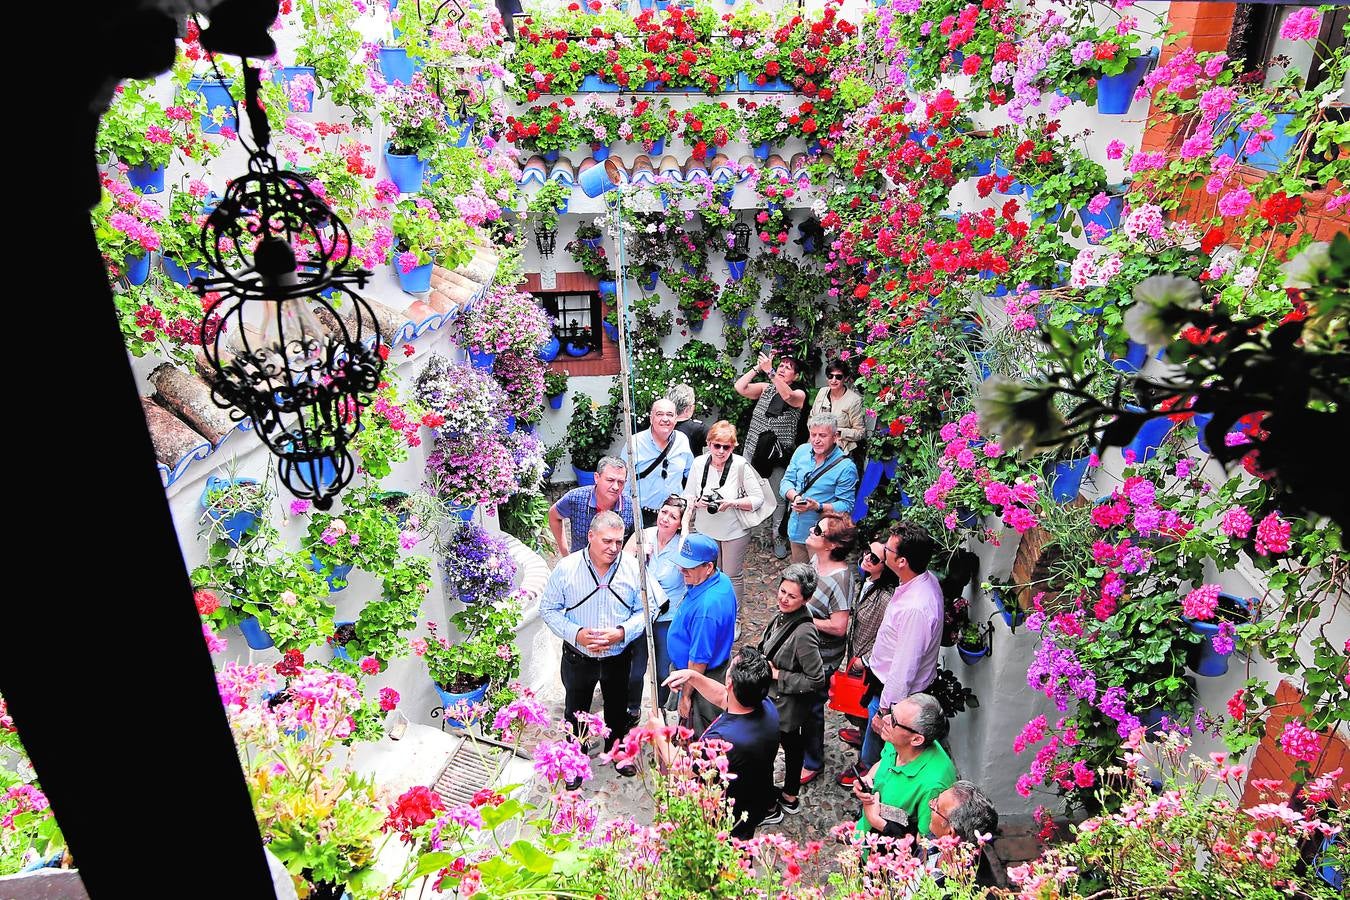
721 486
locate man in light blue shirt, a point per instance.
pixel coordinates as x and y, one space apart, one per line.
820 478
663 460
593 602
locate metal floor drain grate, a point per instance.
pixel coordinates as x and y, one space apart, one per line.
469 769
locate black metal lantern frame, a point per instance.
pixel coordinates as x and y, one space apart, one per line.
546 240
740 241
283 355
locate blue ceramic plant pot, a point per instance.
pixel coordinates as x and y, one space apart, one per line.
483 361
397 65
736 268
285 75
1202 658
1066 479
971 657
136 269
147 179
1115 93
340 650
449 701
1150 437
405 170
234 524
555 401
218 97
549 352
254 636
336 576
181 275
415 281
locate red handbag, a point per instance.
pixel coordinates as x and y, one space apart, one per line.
847 690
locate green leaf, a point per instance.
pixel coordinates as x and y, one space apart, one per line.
533 859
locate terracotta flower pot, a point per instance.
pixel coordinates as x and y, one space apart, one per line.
721 166
695 168
776 163
747 162
799 163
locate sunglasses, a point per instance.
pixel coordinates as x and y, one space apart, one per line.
817 530
722 446
676 500
872 558
835 376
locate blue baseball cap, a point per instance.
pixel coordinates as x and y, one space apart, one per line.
696 550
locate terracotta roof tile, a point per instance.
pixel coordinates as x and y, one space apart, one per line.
172 439
189 397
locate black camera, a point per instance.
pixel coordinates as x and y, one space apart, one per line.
714 501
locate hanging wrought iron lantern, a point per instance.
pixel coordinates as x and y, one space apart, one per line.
292 347
546 240
740 241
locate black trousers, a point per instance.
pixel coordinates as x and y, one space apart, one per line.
794 751
580 673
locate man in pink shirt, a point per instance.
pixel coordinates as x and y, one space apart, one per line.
905 655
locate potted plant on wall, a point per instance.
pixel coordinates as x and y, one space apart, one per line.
471 469
647 122
363 537
380 631
275 599
547 204
589 434
477 566
415 117
464 400
484 659
555 387
973 642
234 507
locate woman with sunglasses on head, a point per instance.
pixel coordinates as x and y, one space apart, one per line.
662 545
869 606
838 399
829 543
792 647
722 486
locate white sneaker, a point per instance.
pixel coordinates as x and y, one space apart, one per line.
774 817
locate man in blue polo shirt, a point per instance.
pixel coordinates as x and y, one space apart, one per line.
579 505
704 627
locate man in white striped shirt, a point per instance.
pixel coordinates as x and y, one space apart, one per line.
592 602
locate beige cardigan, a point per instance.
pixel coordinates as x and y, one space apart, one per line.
849 412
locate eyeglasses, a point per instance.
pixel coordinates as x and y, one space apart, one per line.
716 446
835 376
676 500
890 717
933 808
872 558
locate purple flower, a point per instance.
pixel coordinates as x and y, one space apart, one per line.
1302 25
1234 202
299 507
1223 641
408 539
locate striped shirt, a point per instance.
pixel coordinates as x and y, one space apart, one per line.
667 476
783 427
577 506
579 596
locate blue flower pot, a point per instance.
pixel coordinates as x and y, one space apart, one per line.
549 352
136 269
736 268
968 518
608 287
1050 215
600 179
234 524
336 576
695 325
461 127
1201 421
465 513
397 65
648 281
577 350
890 468
217 94
982 360
1150 437
254 636
556 401
339 650
1011 618
971 657
285 75
658 147
550 156
1115 93
1108 218
746 83
598 84
599 152
146 178
483 361
762 151
316 475
416 281
593 243
1136 355
741 317
449 700
1066 478
1273 155
1014 187
181 275
584 478
1202 658
406 170
652 87
611 331
510 424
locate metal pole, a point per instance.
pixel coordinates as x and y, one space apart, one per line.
625 371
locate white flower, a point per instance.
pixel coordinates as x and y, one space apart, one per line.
1152 297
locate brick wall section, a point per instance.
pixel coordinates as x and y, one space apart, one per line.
1207 27
1273 763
